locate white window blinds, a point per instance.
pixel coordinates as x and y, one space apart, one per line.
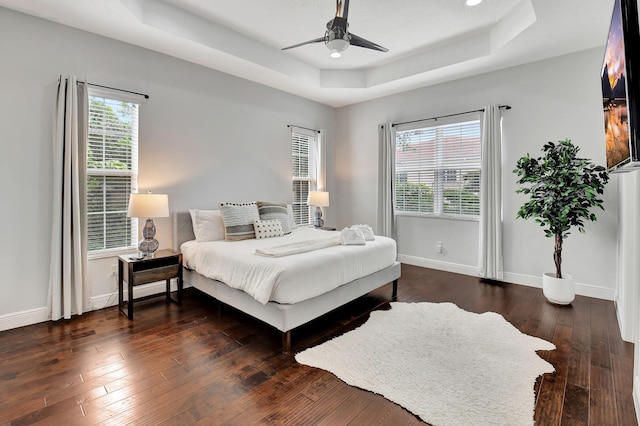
438 169
304 156
112 171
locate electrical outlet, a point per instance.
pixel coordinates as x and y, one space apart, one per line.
439 246
114 270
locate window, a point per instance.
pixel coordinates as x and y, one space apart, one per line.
438 170
304 158
112 171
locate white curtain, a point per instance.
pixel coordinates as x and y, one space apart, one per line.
386 135
320 162
490 247
68 292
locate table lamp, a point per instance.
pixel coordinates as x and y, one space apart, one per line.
148 206
318 199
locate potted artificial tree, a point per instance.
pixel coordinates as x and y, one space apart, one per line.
562 188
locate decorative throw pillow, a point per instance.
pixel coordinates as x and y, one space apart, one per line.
238 220
268 228
207 225
278 211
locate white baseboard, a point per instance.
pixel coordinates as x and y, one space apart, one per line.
626 334
510 277
35 316
439 265
636 397
522 279
582 289
23 318
111 299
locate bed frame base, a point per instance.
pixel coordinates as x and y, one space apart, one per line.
286 335
286 342
283 317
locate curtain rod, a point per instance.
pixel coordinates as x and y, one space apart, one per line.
448 115
115 88
306 128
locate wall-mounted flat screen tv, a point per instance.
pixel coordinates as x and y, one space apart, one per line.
620 94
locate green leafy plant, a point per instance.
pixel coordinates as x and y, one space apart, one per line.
562 188
414 197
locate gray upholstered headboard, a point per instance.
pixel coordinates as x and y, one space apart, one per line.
182 229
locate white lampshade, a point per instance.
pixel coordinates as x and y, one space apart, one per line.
148 205
318 199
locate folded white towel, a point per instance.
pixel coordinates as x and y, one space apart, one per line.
366 230
297 248
351 237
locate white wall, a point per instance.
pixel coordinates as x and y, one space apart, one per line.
628 296
205 137
552 99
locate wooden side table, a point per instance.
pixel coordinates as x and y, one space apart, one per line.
165 265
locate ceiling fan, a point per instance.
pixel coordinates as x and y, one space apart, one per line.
337 37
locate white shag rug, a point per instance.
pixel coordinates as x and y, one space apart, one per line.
445 365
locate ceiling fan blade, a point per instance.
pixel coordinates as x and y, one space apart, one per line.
338 33
342 9
317 40
361 42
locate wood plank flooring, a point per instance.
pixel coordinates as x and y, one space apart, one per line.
202 364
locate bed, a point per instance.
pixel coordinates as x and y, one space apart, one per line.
289 310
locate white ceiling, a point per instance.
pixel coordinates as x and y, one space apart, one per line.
429 41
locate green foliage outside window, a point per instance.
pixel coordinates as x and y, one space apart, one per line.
414 197
461 201
420 198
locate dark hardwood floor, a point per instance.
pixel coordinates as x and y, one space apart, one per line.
198 364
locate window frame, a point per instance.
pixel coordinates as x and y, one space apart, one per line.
313 161
132 173
440 173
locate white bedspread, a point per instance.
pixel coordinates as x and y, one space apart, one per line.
297 248
288 279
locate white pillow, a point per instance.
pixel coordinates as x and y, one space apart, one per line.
207 225
292 220
268 228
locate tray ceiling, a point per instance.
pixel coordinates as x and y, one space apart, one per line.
429 41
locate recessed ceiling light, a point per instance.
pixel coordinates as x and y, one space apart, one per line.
473 2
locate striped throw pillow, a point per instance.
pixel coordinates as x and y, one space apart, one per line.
238 220
278 211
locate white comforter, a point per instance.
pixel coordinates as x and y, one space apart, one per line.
288 279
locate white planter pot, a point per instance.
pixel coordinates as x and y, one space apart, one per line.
561 291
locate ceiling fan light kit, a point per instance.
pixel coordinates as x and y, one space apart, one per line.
337 46
337 37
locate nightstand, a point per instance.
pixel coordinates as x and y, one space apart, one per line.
165 265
